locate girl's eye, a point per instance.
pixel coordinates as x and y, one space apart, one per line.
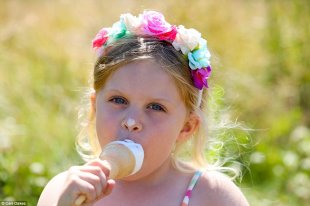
118 100
156 107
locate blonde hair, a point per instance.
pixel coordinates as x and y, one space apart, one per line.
135 48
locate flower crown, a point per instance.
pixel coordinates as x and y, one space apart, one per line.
152 23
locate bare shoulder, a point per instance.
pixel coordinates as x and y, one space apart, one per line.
50 193
215 189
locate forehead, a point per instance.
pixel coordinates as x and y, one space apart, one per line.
145 77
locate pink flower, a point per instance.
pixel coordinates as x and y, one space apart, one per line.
154 23
101 38
200 77
169 36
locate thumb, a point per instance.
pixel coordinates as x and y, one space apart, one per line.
110 186
107 191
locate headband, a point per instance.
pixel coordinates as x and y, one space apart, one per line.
152 23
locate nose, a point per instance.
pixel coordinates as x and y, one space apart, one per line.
131 125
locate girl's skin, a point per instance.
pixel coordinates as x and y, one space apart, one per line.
142 91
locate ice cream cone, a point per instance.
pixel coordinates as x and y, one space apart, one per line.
120 158
124 157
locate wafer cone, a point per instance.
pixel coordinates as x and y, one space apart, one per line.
120 158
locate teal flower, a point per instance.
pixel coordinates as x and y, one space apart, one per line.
118 31
200 57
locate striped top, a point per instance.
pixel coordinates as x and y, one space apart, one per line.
190 188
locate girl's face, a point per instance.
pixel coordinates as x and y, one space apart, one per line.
143 92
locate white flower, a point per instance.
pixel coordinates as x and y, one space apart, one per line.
186 39
132 23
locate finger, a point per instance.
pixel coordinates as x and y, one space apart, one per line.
85 188
108 189
96 171
104 165
94 180
110 186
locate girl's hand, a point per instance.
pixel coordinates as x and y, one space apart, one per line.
90 180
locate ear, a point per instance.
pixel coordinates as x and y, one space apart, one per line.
93 101
190 126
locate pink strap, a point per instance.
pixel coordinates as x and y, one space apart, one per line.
190 188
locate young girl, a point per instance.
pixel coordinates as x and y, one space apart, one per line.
150 82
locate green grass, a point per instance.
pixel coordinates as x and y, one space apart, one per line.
261 60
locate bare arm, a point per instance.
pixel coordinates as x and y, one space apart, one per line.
51 192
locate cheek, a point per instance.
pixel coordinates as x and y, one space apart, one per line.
105 126
157 150
167 130
163 138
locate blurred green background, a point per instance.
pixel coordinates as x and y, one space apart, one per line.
261 59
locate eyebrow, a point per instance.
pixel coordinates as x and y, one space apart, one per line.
153 99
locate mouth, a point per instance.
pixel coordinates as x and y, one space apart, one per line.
124 138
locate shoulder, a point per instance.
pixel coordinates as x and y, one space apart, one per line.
50 193
216 189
